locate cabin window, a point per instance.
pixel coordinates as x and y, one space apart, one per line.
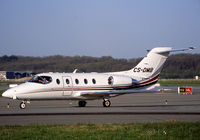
77 81
41 79
93 81
58 81
85 81
67 81
110 80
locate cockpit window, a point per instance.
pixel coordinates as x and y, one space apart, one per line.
41 79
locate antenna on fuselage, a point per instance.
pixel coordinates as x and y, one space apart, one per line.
75 71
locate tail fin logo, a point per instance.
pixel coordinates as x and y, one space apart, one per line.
147 70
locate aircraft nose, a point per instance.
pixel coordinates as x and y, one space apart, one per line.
8 94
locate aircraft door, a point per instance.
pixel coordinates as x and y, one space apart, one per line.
67 86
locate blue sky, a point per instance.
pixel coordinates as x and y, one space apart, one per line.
117 28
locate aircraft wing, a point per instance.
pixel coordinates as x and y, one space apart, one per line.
114 93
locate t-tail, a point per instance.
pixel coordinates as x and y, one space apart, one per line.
149 68
151 65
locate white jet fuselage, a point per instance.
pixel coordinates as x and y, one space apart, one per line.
69 86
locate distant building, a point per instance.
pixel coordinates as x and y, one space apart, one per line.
10 75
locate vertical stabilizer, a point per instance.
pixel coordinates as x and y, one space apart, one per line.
152 64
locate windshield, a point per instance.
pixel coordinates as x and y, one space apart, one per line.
41 79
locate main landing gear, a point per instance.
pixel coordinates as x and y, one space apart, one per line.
82 103
106 103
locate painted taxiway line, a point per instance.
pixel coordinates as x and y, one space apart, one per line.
102 113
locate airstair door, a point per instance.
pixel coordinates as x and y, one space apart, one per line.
67 86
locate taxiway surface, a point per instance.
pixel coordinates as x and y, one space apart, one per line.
143 107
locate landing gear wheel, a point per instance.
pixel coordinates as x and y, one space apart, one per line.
106 103
22 105
82 103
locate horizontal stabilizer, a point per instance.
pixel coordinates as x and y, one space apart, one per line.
186 49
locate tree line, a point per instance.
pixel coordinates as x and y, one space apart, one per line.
177 66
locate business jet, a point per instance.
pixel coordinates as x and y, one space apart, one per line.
91 86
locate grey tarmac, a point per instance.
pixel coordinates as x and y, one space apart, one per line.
142 107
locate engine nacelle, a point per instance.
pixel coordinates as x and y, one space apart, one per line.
119 81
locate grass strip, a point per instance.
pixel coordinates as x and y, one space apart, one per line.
181 82
161 131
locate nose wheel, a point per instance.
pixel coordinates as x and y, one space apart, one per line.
106 103
22 105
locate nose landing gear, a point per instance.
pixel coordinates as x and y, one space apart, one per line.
23 104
